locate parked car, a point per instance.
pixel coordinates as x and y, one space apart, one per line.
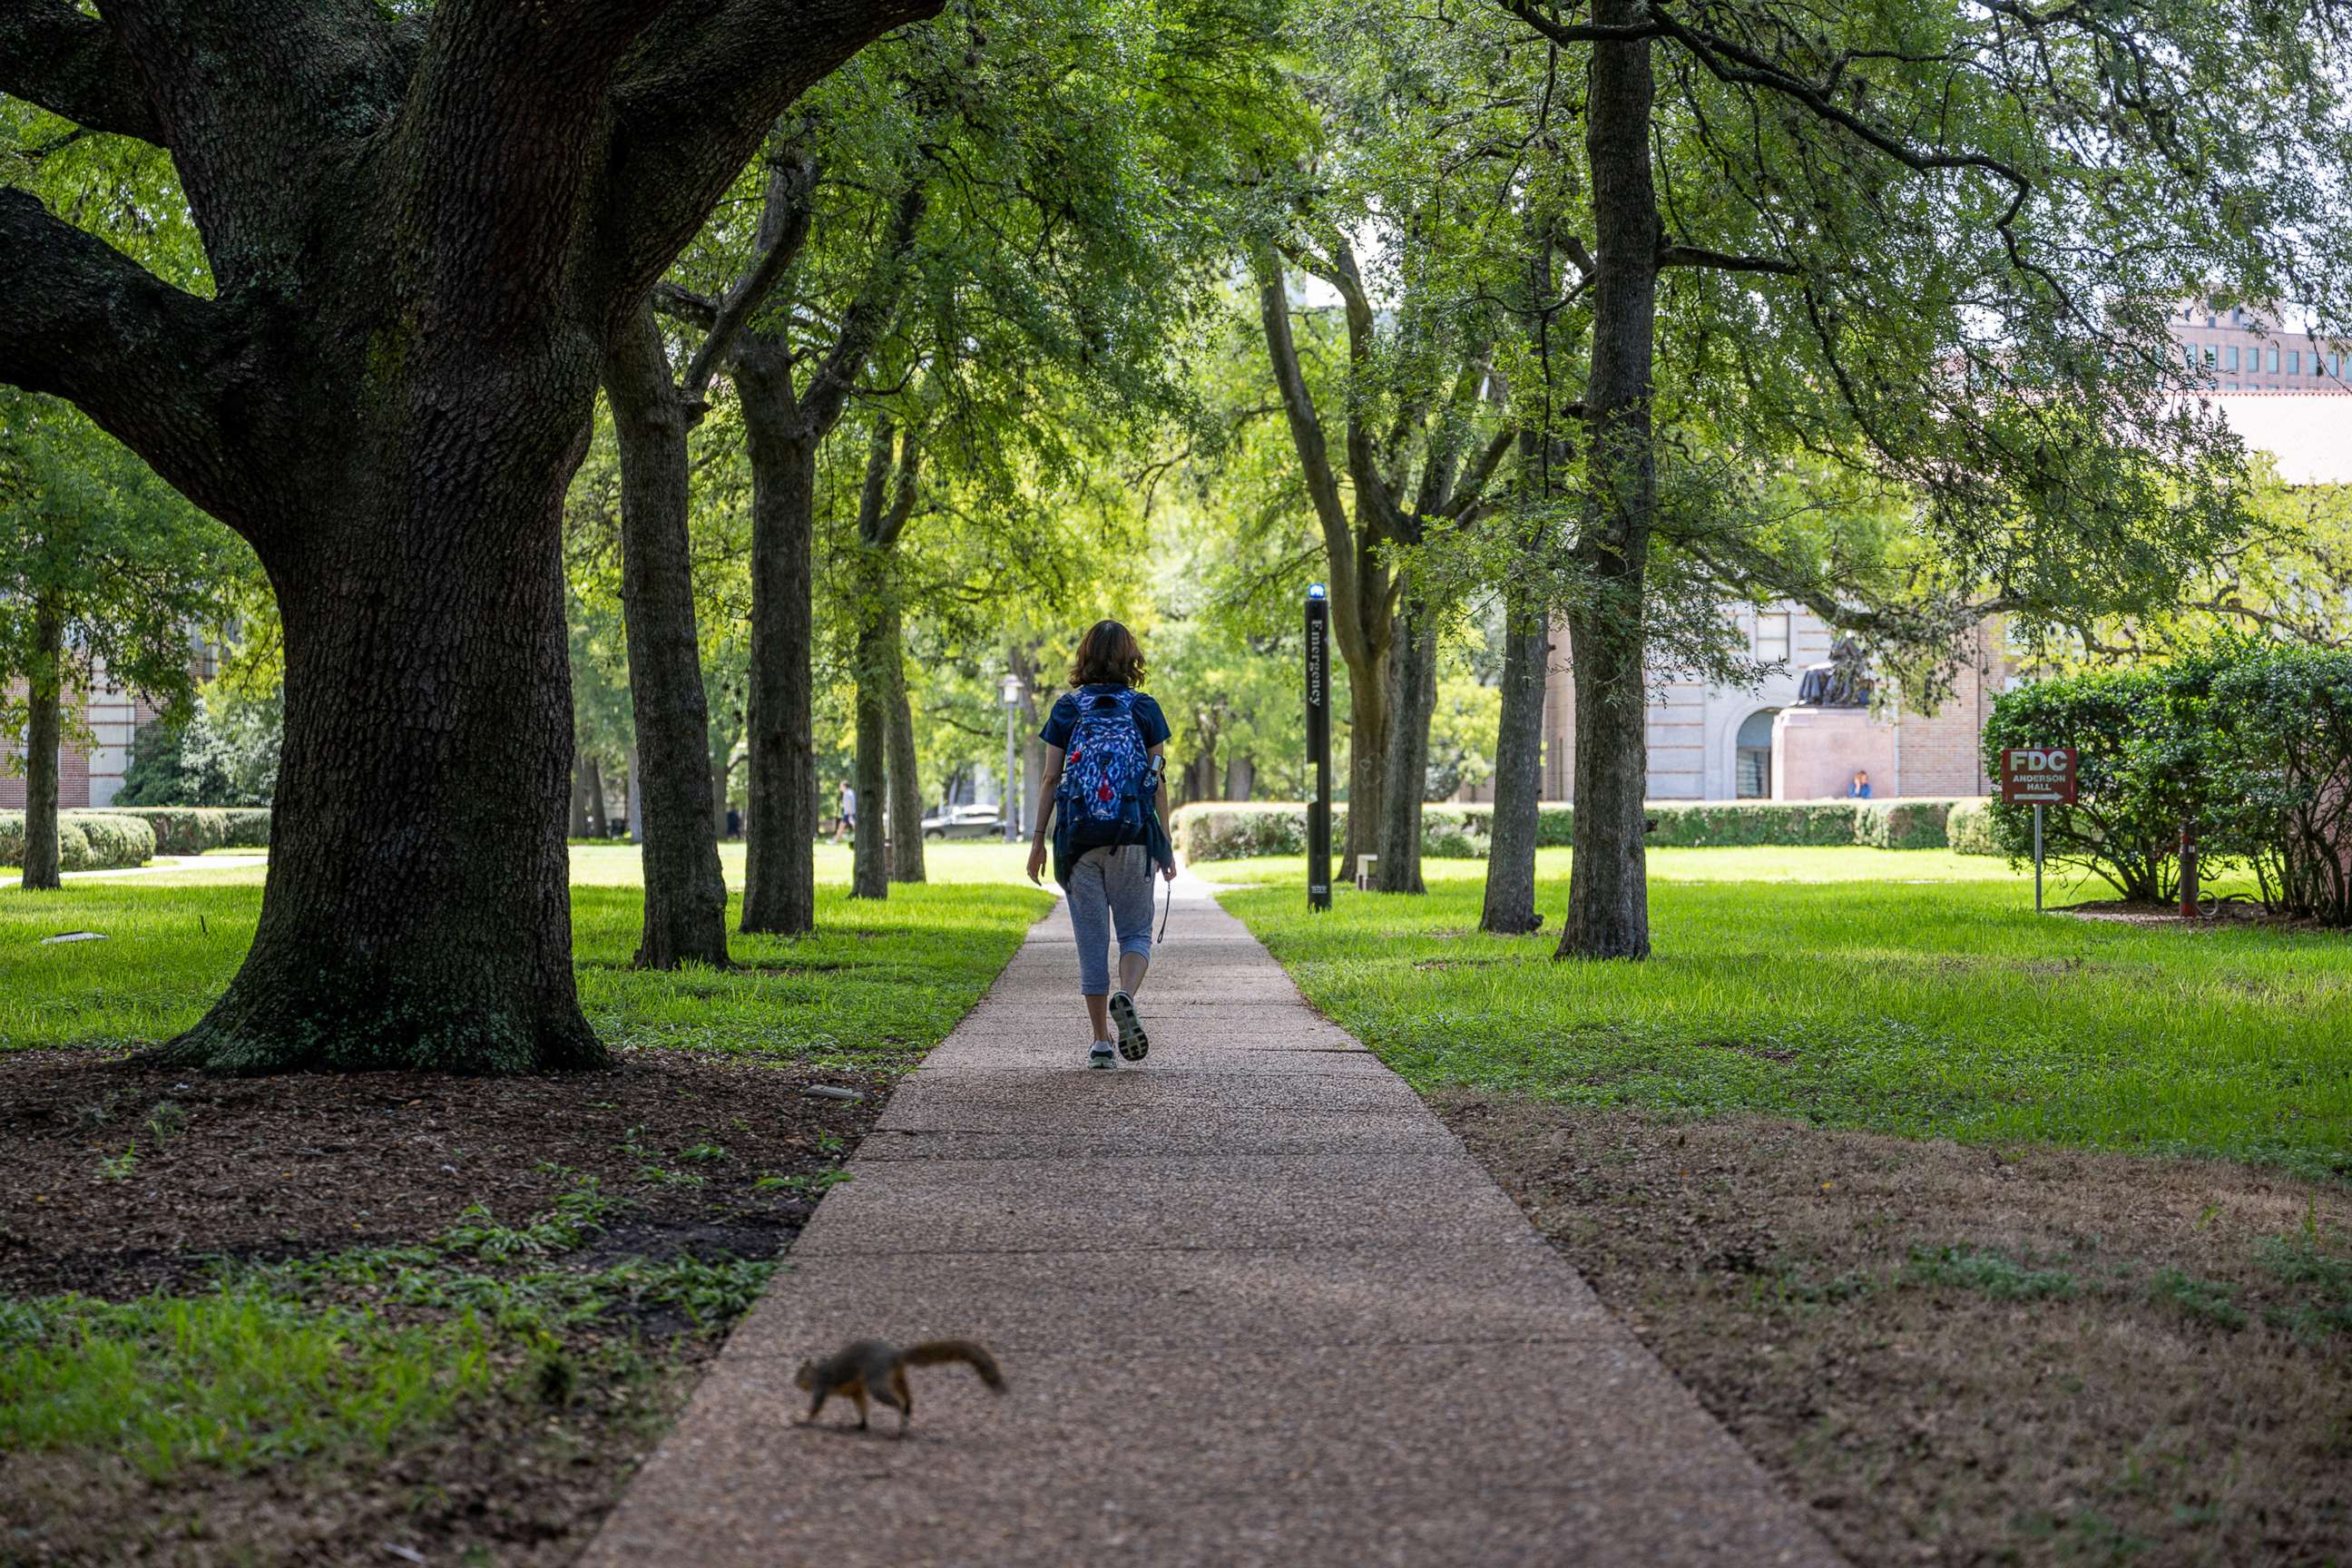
964 822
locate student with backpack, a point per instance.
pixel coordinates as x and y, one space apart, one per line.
1106 798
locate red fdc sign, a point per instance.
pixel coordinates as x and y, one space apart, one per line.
2037 775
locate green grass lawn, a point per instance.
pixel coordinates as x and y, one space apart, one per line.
1913 993
888 976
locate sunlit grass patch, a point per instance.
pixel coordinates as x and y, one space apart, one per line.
1913 992
241 1377
876 977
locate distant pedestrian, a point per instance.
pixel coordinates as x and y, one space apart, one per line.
1859 788
844 824
1104 795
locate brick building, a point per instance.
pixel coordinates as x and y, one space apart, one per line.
87 775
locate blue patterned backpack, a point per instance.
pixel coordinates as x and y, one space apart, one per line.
1105 770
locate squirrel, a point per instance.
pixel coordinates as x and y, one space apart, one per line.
871 1369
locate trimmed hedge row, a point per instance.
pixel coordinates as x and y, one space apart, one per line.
1971 828
193 829
1242 830
1237 830
86 840
1905 823
1714 823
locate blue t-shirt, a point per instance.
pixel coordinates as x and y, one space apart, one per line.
1059 723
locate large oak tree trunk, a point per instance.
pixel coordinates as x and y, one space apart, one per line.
1412 693
44 727
1510 903
780 826
418 910
686 893
906 778
1607 893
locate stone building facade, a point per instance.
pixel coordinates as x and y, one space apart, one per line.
1723 742
2235 350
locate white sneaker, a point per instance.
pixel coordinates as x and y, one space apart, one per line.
1133 1043
1102 1056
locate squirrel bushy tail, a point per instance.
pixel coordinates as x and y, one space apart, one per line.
931 1353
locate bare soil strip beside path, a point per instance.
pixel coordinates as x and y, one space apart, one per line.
1957 1354
1256 1304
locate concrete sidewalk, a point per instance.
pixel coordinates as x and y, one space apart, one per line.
1255 1305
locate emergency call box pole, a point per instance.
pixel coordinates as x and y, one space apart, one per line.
1319 747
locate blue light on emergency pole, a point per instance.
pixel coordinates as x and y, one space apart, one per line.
1314 590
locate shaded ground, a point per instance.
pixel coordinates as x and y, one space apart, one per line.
622 1219
1964 1356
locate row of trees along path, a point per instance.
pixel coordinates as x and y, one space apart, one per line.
1930 256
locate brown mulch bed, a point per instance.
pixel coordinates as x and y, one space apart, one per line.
270 1169
1963 1355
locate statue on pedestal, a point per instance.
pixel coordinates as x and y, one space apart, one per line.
1843 681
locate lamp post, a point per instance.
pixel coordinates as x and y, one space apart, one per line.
1011 692
1319 747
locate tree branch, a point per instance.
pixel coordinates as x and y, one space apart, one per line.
902 497
150 364
262 103
702 91
680 303
1306 435
75 66
1474 483
783 229
867 318
1577 32
1696 255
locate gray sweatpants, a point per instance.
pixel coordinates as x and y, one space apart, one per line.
1109 887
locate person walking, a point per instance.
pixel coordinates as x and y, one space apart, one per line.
845 822
1105 794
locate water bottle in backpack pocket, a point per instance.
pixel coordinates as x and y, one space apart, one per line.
1105 772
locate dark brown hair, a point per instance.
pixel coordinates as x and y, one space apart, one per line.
1108 655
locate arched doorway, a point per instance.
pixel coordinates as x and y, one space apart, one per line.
1751 766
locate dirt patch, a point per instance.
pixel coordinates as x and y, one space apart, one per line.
1964 1356
117 1179
2224 912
